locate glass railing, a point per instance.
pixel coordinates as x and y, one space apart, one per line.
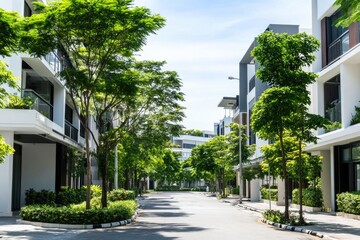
71 131
338 47
333 113
40 104
54 62
251 83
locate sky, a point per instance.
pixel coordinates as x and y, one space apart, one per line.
204 41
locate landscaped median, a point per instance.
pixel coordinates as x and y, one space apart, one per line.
120 211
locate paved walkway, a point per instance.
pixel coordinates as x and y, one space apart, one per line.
329 224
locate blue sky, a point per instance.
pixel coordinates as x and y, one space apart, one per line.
204 40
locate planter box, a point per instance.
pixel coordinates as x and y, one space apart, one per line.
306 208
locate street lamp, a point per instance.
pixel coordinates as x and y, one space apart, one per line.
240 140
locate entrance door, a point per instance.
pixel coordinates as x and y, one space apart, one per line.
16 182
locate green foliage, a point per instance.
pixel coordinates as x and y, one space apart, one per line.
68 196
279 217
312 197
16 102
350 10
10 24
355 118
332 126
271 194
349 202
121 194
118 210
167 188
235 190
5 149
33 197
95 191
168 167
192 132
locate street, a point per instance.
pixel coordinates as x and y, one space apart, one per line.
169 215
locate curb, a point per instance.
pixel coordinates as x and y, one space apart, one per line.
296 229
287 227
80 226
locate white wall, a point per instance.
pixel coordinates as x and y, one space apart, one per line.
325 8
38 168
6 173
350 88
59 106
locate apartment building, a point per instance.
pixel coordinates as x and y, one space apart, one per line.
335 95
230 106
250 90
42 135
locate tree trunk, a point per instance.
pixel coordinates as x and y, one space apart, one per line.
127 179
104 174
88 163
301 217
286 180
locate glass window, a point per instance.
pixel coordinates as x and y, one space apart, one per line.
346 154
357 178
355 151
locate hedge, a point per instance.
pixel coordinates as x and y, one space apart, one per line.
312 197
77 214
265 193
349 202
177 188
121 194
39 197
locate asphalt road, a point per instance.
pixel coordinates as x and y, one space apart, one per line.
167 216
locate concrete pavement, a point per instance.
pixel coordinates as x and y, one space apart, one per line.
328 224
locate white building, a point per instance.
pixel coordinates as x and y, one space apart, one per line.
40 136
335 95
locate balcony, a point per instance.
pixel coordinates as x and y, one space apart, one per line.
338 47
54 62
333 112
71 131
40 104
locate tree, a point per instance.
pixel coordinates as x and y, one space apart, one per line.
350 10
89 34
282 58
9 39
167 170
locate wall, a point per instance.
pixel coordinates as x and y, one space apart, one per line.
326 179
6 171
36 157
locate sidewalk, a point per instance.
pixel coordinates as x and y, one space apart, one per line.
328 224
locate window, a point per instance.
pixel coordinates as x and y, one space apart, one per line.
68 114
337 38
27 10
188 145
357 177
355 151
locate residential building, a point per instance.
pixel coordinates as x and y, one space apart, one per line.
250 90
335 95
230 105
40 136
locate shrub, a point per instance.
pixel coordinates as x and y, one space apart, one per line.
279 217
265 193
349 202
33 197
167 188
68 196
355 118
332 126
119 210
312 197
235 190
121 194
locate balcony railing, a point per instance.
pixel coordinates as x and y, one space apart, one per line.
338 47
54 62
40 104
333 113
251 83
71 131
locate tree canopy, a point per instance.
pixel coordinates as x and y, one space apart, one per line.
350 10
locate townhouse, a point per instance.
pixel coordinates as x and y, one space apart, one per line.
335 96
42 135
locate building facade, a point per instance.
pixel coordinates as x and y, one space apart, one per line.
42 135
335 96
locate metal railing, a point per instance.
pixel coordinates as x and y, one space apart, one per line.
40 104
71 131
54 62
338 47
